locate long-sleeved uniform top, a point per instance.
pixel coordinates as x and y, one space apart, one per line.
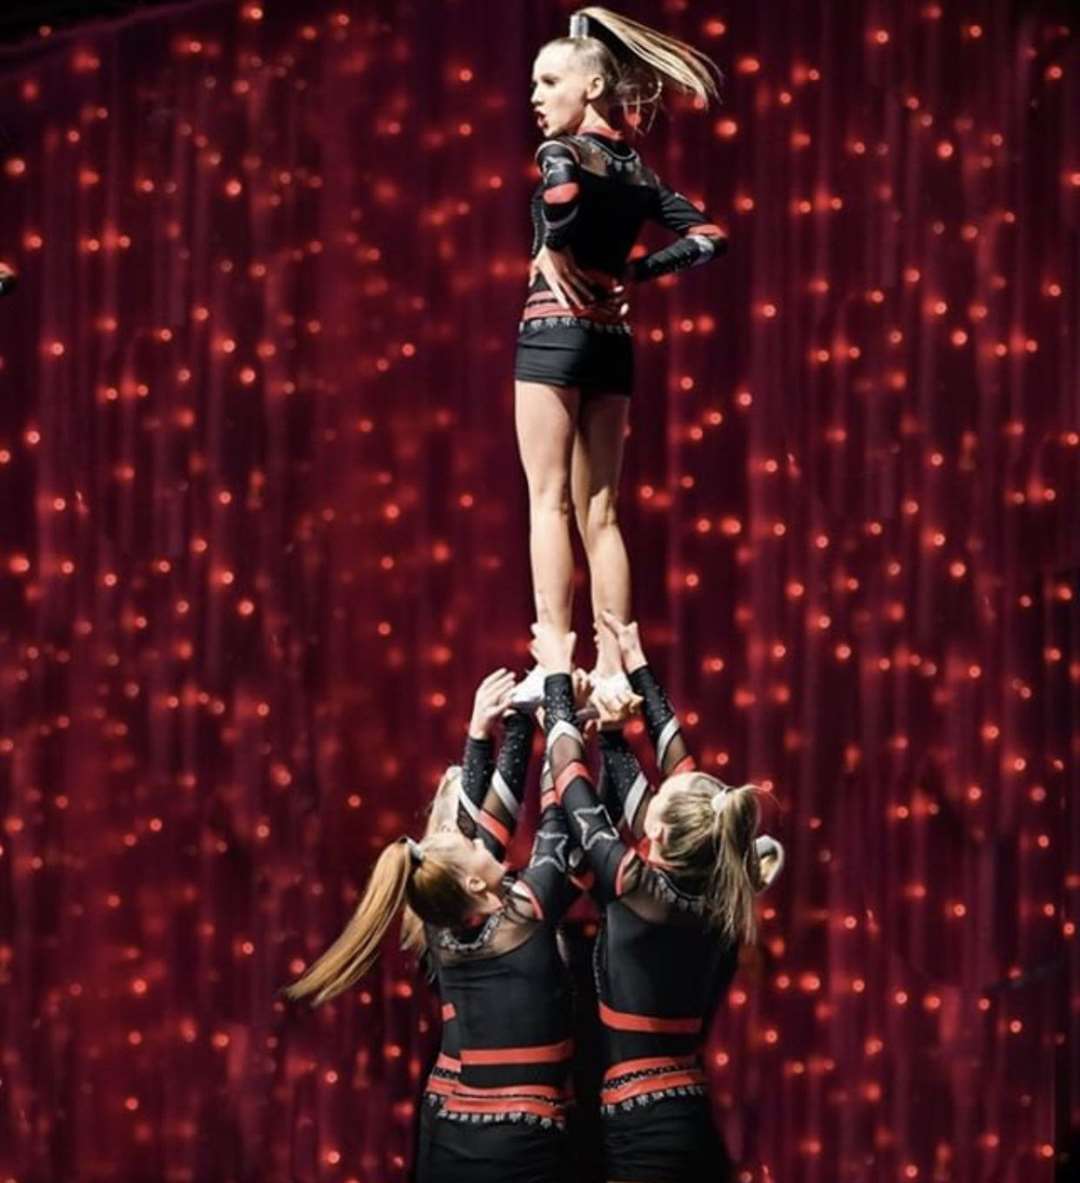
595 195
661 970
507 1046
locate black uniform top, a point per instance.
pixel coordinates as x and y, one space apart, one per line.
594 197
661 969
506 1048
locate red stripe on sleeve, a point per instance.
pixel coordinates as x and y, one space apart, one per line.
686 764
560 194
707 228
448 1012
494 827
571 772
630 854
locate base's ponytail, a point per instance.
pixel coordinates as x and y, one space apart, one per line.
442 817
708 841
354 952
404 871
736 878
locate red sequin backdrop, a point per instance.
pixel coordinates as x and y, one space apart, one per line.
264 528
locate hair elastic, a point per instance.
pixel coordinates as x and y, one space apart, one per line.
579 25
416 852
717 799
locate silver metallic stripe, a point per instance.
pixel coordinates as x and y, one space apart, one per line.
634 798
556 224
502 791
560 729
463 801
663 742
707 247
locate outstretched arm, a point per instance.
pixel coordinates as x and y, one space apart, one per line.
545 888
494 803
700 239
672 754
617 869
491 790
624 787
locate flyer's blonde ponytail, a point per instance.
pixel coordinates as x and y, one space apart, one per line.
638 63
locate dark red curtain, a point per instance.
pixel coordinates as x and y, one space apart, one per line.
263 528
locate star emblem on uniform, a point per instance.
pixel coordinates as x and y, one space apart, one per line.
550 848
594 817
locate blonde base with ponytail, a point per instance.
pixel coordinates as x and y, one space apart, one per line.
709 842
431 888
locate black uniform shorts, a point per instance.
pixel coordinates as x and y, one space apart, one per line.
491 1152
597 359
672 1140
